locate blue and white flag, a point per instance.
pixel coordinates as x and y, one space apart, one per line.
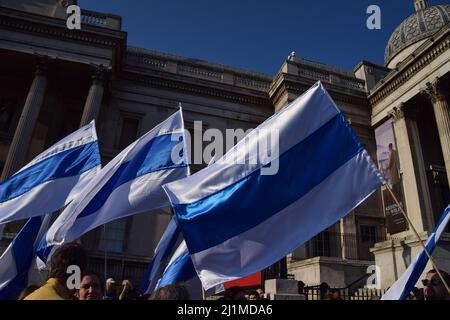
262 200
129 184
181 270
402 288
162 253
52 179
18 261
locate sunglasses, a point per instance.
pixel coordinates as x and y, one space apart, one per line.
431 283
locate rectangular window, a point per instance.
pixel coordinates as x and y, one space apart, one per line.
320 245
112 237
129 132
369 234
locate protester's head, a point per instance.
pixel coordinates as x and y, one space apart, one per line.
434 288
110 284
301 287
328 296
390 146
126 284
336 294
111 289
71 254
324 290
234 293
260 292
253 295
91 287
127 291
171 292
27 291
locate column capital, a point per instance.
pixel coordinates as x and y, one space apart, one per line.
41 67
434 90
398 112
99 74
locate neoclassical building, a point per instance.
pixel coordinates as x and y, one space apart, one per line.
410 108
53 80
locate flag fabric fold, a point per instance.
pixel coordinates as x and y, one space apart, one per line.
18 260
181 270
402 288
162 254
53 178
236 220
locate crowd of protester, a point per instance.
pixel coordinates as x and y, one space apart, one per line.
93 287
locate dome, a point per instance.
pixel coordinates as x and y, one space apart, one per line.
418 26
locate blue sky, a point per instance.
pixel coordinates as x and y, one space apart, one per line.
259 34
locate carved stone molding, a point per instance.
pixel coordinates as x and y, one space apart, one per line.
59 31
195 89
397 78
99 74
397 113
42 66
434 91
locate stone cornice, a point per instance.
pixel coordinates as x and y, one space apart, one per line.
294 84
370 64
197 86
56 28
219 67
148 61
423 56
305 69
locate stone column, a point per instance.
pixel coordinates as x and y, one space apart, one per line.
407 169
349 242
436 93
421 173
24 131
95 96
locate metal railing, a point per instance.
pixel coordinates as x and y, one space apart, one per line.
101 19
119 269
347 293
342 245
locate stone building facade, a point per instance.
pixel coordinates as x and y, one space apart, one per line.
412 100
53 80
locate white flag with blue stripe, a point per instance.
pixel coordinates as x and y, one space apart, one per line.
254 206
19 259
52 179
129 184
402 288
181 270
162 253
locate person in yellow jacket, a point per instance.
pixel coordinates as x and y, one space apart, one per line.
56 287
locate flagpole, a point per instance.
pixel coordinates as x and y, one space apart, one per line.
420 240
105 263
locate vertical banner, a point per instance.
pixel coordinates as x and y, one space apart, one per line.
388 164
